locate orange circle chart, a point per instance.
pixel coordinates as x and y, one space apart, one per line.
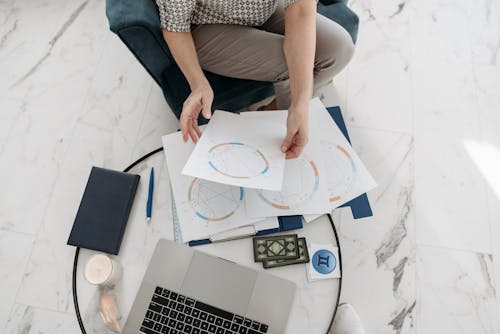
341 171
296 190
237 160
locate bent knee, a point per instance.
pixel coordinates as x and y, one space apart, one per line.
334 46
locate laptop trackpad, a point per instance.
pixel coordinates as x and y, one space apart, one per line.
220 283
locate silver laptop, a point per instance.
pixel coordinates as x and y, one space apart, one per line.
187 291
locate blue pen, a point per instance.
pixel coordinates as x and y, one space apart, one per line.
149 205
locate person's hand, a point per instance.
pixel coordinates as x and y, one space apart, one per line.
200 99
297 132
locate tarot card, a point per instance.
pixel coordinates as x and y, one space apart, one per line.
303 257
275 247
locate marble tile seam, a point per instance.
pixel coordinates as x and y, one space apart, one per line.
25 267
412 96
11 308
490 215
17 232
483 129
409 152
476 66
137 137
9 97
412 80
46 309
357 126
430 246
15 303
22 106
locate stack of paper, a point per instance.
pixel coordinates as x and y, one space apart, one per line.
236 177
204 208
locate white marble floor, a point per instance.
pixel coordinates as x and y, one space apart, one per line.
422 102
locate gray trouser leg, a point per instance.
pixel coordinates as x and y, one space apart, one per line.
257 53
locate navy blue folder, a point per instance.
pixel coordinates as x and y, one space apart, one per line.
360 206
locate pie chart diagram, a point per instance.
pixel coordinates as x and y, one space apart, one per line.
213 201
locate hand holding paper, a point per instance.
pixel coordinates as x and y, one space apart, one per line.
304 189
237 173
297 132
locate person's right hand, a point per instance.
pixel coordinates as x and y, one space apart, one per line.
200 99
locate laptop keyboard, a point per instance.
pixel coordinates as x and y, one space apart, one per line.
173 313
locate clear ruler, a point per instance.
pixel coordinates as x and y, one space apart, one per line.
175 221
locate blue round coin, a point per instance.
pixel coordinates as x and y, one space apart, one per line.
324 262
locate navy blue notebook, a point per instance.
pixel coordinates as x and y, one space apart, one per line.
360 206
104 210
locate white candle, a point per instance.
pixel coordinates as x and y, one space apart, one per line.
102 270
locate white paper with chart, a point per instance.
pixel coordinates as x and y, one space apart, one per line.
204 208
347 176
240 152
304 183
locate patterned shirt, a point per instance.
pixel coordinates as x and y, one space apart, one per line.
178 15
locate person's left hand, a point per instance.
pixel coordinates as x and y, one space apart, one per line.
297 131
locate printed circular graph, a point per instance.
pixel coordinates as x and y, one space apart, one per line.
213 201
237 160
341 171
302 180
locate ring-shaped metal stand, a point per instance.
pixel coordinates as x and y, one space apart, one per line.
135 163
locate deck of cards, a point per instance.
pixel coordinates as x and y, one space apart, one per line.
281 250
325 263
322 260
